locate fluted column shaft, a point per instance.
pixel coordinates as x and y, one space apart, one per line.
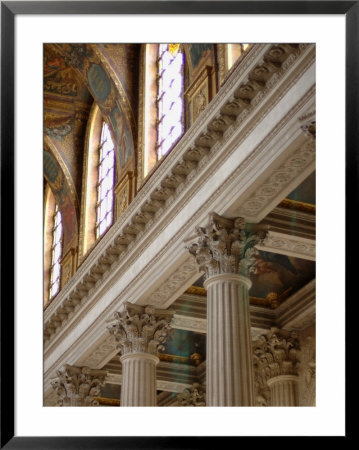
284 390
229 350
138 379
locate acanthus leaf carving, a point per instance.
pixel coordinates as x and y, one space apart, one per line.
78 386
227 246
141 329
275 354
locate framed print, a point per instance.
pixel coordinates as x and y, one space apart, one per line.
164 248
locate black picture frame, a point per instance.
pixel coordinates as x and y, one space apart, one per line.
9 9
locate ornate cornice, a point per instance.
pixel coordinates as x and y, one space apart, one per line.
141 329
189 323
78 386
288 245
226 246
138 222
302 158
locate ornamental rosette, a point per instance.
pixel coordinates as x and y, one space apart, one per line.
275 354
227 246
78 386
141 329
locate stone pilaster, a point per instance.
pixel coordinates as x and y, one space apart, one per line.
141 332
78 386
276 366
194 396
225 251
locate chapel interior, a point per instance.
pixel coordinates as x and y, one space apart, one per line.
179 224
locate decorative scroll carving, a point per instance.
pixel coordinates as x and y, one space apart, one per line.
78 386
275 354
227 246
279 179
173 282
194 396
141 329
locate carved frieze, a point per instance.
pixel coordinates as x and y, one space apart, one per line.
78 386
288 245
141 329
226 246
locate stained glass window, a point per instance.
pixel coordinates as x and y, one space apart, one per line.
106 180
170 96
56 251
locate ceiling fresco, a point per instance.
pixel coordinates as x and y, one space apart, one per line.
123 59
67 103
185 343
279 276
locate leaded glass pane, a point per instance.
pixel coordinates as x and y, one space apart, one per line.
170 101
55 269
106 180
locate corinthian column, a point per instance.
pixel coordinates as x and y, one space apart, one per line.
275 362
78 386
140 332
225 251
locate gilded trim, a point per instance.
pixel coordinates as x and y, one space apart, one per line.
105 401
300 206
196 290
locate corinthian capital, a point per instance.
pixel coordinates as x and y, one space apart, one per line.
141 329
194 396
226 246
275 354
78 386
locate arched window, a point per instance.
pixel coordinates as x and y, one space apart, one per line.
170 97
56 252
97 202
106 181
